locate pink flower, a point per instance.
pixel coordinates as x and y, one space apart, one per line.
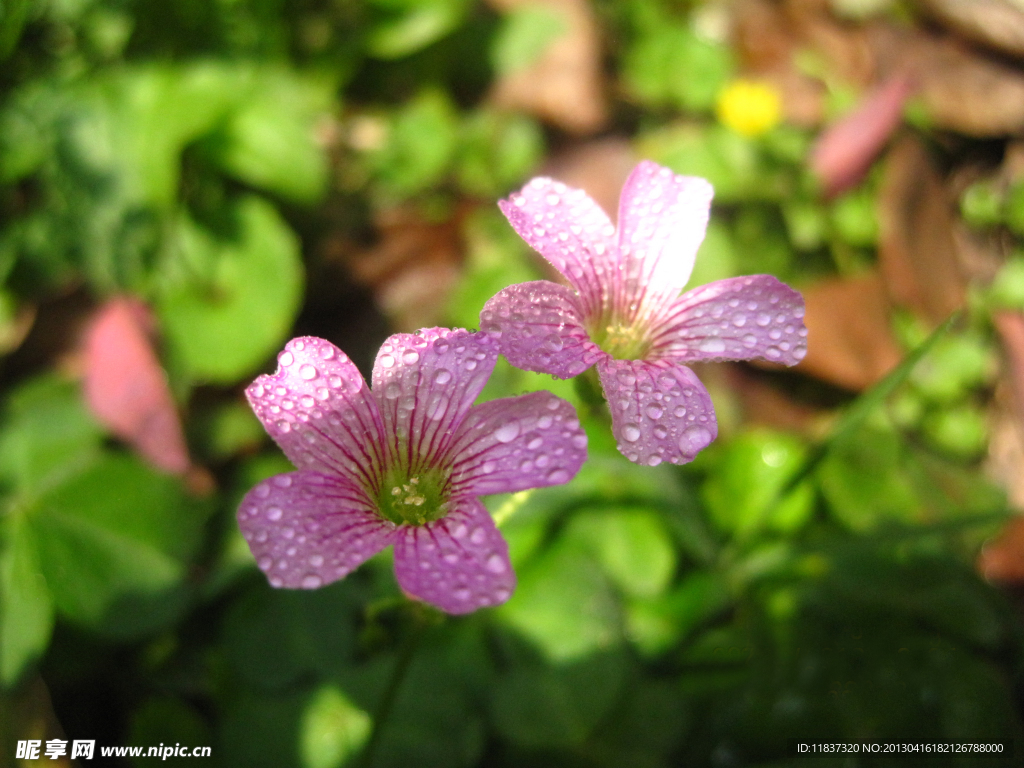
402 464
626 314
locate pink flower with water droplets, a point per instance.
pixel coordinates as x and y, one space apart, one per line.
624 312
400 464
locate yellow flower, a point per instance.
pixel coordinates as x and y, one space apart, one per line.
749 107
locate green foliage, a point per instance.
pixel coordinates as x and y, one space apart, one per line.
234 299
526 32
669 65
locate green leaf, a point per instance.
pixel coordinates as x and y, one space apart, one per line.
855 219
273 638
656 624
750 473
269 142
982 204
563 604
671 66
26 608
864 481
416 26
421 144
13 16
633 547
543 707
729 160
221 329
113 541
956 364
498 150
168 721
525 33
47 434
333 729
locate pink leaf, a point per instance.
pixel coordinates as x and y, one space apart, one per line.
125 387
845 150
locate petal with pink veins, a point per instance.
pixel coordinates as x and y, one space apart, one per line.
566 227
507 445
540 329
307 529
458 563
425 383
662 221
660 410
736 319
318 409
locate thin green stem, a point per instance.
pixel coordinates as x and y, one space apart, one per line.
387 701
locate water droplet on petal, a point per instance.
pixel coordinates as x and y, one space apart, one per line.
442 376
478 536
286 359
316 560
631 433
712 345
496 564
655 411
387 361
654 460
411 357
558 476
274 513
308 372
507 432
627 377
312 581
694 439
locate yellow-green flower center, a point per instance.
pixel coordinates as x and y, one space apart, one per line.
413 499
623 341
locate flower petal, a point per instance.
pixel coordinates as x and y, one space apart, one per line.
735 319
662 220
660 410
571 231
540 329
458 563
320 411
530 441
425 383
307 529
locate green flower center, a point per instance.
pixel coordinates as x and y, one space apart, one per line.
623 341
414 499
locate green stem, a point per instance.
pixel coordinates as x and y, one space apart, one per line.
387 701
512 505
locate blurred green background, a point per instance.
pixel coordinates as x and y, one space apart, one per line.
843 564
